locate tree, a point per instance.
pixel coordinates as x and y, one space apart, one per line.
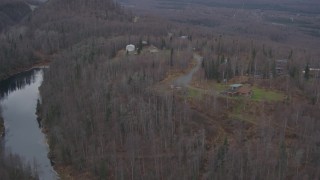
307 72
171 57
163 44
113 51
139 48
221 155
282 161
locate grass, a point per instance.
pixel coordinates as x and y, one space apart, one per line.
239 112
221 87
243 117
260 94
194 92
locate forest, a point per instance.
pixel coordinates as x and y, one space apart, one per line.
112 114
16 52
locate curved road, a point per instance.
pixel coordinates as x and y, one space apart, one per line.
184 80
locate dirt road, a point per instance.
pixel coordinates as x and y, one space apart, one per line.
184 80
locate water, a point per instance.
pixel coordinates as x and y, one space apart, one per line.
18 98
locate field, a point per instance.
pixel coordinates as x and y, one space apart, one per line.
260 94
197 89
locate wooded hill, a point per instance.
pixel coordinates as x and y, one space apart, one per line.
12 12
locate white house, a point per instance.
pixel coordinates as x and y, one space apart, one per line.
130 48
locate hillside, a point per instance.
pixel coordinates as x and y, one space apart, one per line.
12 12
16 54
114 114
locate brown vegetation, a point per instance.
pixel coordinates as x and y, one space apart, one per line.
113 115
104 116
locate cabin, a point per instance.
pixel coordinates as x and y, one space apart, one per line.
315 72
239 90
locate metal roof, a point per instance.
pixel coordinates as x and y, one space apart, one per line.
235 85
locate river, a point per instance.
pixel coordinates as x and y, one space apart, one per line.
18 98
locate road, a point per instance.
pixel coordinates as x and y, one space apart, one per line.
184 80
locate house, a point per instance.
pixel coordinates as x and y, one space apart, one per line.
235 86
239 90
314 72
130 48
281 66
233 90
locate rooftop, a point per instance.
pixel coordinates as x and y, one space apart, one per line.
244 90
235 85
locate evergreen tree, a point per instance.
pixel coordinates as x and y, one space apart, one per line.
139 46
163 44
171 57
307 72
113 51
229 70
282 161
221 155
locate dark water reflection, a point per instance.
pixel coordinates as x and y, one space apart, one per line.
17 82
18 98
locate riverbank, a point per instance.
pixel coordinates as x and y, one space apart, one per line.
23 69
64 171
42 59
